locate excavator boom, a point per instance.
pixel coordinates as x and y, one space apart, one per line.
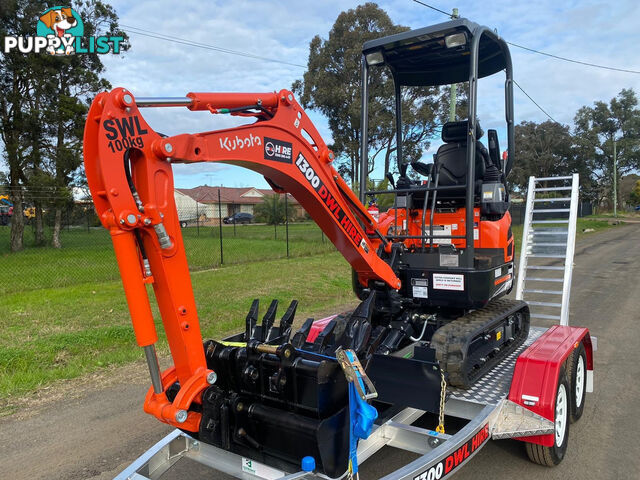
128 168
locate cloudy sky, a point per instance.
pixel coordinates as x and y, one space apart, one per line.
597 32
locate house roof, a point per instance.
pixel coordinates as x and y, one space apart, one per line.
246 195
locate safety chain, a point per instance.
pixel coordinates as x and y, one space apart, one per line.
443 394
351 476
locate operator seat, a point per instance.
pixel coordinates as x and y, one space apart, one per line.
452 159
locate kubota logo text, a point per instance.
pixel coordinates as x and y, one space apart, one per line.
231 144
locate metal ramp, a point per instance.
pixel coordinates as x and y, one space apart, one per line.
548 245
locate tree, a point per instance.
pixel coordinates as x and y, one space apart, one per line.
75 81
16 87
42 138
634 197
272 210
596 130
332 86
543 150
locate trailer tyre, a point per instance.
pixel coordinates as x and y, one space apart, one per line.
552 456
183 224
578 382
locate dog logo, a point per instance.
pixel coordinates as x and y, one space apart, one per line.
63 23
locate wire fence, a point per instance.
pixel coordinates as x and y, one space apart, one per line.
215 235
517 210
219 229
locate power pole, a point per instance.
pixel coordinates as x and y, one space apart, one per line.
615 180
454 87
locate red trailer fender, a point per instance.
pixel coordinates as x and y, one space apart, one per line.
535 376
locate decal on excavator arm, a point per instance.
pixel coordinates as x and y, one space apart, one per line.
330 202
277 150
124 132
231 144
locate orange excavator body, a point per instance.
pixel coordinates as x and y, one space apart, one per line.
128 168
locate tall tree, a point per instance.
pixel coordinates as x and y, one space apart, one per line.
634 196
43 102
543 150
17 74
596 129
75 80
332 86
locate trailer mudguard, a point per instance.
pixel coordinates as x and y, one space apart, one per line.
537 369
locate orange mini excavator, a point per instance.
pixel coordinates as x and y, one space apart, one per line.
429 271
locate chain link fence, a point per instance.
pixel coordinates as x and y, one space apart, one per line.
219 228
517 210
215 234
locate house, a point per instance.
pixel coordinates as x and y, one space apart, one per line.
202 202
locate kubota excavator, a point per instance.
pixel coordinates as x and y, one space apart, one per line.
429 272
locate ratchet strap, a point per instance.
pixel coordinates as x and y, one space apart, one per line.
362 414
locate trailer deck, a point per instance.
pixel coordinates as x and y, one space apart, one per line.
486 407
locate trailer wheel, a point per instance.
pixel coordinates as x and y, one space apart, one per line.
183 224
578 382
552 456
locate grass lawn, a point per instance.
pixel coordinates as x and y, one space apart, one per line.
87 255
58 333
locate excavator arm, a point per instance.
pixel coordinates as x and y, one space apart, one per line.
128 168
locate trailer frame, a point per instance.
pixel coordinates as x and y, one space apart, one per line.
490 407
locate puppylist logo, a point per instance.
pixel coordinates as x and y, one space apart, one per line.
60 31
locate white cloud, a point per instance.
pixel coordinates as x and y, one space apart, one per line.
598 32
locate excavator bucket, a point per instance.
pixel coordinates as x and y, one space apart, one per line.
279 399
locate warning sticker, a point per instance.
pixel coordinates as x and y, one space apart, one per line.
442 230
420 288
444 281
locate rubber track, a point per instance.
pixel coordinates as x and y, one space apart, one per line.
451 340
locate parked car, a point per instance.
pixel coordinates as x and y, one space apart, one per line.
239 217
188 221
5 214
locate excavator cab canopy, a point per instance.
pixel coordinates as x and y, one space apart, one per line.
437 55
448 53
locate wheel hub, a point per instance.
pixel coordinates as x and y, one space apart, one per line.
561 415
579 382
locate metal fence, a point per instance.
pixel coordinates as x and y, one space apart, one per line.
212 235
215 233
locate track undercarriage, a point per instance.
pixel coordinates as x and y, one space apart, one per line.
469 346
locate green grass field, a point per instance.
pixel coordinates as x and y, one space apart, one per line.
59 333
87 256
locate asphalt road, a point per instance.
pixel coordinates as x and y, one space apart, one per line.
94 432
